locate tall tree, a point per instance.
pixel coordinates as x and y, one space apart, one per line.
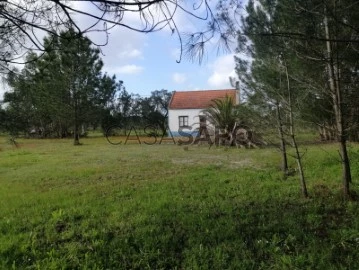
105 101
322 36
155 109
262 77
21 107
73 68
65 88
82 69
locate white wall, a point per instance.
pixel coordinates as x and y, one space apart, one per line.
193 119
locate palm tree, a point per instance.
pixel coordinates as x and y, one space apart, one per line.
222 113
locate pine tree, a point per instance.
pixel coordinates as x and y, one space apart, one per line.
319 39
64 90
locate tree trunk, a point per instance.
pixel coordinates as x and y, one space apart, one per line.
300 168
76 125
346 174
283 149
334 84
294 142
76 135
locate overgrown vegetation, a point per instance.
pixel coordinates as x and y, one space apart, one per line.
156 207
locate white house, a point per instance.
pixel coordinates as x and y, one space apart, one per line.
185 108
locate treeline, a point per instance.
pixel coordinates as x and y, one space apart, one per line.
64 92
301 62
310 48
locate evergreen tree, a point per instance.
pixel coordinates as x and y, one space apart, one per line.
64 91
318 40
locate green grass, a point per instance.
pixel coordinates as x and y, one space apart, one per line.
99 206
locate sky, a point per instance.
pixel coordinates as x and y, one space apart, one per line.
147 62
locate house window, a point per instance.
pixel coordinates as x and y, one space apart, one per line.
183 121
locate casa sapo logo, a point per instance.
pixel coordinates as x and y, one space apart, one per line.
152 135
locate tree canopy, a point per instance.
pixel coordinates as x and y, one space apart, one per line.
309 48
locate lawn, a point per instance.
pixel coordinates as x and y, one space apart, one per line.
100 206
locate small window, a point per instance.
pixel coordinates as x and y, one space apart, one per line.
183 121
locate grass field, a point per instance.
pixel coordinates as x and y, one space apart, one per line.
99 206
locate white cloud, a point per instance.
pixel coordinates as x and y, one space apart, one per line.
117 52
222 69
123 45
179 77
129 54
128 69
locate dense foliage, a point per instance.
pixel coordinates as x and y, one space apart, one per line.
291 34
303 65
65 93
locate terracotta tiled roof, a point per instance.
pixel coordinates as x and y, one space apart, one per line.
198 99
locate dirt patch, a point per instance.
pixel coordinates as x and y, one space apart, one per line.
30 145
242 163
245 163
